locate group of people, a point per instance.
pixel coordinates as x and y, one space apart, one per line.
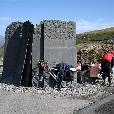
107 63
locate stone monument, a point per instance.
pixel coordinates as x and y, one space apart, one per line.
54 42
17 64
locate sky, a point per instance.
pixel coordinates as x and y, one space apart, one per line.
89 15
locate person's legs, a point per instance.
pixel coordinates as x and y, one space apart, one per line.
109 78
108 71
59 80
103 77
103 71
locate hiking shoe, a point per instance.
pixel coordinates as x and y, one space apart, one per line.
109 84
103 83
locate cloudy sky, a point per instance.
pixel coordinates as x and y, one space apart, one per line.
88 14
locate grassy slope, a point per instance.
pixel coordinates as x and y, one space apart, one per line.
91 48
1 52
98 35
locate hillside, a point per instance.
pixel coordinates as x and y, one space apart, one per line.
98 35
93 45
2 40
1 52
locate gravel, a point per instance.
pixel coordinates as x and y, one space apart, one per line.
27 100
31 100
80 91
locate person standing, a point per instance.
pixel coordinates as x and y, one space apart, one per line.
106 65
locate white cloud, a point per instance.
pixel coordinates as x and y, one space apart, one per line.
100 19
84 26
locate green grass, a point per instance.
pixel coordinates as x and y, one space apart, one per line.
1 52
93 36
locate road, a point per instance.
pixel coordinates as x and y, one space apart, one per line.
105 106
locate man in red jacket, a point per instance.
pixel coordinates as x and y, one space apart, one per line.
106 66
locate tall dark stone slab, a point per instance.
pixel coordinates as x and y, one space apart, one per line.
57 42
28 30
11 66
18 43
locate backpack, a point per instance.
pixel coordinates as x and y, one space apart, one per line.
63 68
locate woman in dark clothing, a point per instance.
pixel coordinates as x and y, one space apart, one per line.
106 67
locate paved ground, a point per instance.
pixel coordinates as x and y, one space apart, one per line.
105 106
14 100
30 103
20 100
